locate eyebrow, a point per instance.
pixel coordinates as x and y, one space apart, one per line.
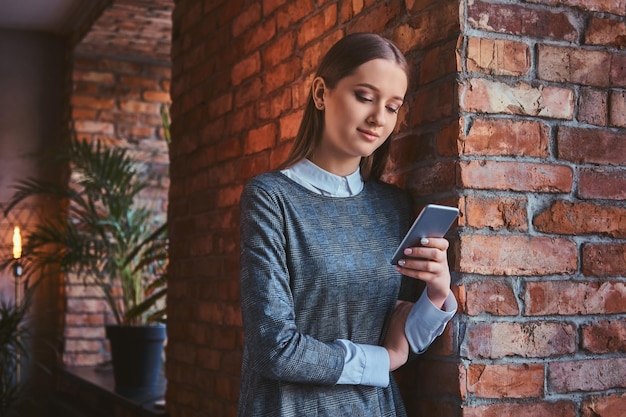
368 85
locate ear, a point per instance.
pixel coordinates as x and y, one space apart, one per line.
317 90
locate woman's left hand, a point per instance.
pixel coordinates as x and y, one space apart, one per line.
429 263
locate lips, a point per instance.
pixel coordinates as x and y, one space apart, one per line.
369 134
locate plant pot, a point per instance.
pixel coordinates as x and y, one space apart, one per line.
137 354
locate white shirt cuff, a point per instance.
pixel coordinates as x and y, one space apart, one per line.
364 364
426 322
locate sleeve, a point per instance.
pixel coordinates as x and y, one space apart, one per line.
364 365
426 322
277 349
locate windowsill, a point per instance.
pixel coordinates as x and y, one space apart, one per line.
94 388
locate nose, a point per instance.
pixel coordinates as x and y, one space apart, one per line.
377 117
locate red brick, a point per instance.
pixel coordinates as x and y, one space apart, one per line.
133 106
245 68
587 375
540 339
432 26
560 408
566 218
289 125
434 102
574 298
486 96
312 54
617 74
139 82
432 179
517 255
438 63
506 380
253 165
519 20
605 260
293 12
220 105
506 137
592 106
447 137
495 213
617 115
260 139
573 65
279 50
274 106
494 297
515 176
497 56
258 36
316 25
249 92
157 96
279 154
248 16
586 146
375 19
602 183
281 75
610 405
604 336
92 102
94 77
605 32
89 126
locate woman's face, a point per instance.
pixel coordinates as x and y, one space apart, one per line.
360 113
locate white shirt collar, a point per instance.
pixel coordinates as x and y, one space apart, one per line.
316 179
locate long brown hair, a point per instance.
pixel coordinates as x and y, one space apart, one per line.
340 61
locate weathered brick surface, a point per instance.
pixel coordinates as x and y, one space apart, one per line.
537 409
506 380
497 56
508 213
482 95
605 336
567 298
587 375
506 137
612 405
563 217
516 176
492 297
528 340
517 255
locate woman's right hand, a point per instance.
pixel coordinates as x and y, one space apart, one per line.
396 342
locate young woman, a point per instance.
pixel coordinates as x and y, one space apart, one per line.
326 316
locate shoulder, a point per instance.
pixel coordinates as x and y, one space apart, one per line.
270 186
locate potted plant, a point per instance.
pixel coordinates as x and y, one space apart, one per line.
108 239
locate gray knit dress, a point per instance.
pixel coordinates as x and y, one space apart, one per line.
315 269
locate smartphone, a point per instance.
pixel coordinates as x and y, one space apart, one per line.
433 221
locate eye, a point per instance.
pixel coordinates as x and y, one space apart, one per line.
362 97
393 109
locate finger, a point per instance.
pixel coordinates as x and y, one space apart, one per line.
435 242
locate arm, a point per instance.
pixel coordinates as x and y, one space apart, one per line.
277 349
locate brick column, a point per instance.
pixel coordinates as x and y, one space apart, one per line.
542 179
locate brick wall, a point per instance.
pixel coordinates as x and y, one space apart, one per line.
542 175
119 102
512 113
